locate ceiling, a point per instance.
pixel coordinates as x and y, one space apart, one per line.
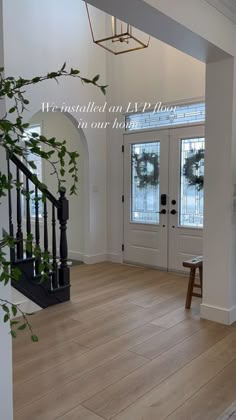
226 7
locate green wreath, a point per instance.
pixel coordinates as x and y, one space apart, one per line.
191 167
145 176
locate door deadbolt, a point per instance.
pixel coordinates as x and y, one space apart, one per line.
163 199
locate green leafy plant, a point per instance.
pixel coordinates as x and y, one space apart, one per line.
14 141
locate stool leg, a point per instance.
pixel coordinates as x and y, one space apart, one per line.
190 288
201 276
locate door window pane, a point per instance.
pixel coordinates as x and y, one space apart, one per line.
145 186
172 116
192 182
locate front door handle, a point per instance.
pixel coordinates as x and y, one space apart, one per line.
173 212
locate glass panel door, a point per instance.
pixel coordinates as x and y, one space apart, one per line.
186 195
145 198
192 182
145 190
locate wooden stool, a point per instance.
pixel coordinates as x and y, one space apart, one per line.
193 264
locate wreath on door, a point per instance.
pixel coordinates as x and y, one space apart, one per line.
191 167
147 169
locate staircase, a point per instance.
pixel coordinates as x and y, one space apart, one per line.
47 221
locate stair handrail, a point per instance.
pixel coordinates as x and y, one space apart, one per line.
23 168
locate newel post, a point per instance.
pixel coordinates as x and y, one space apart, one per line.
63 216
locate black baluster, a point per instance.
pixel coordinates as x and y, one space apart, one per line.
19 234
45 226
54 251
11 226
37 232
28 221
63 216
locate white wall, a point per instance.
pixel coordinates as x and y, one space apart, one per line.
42 37
158 73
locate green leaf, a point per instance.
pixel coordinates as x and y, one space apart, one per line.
18 120
5 308
14 323
32 164
52 75
63 67
86 80
6 318
34 338
34 135
74 71
96 78
22 327
103 89
13 334
16 273
14 310
36 79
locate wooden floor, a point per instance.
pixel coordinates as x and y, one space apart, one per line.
124 348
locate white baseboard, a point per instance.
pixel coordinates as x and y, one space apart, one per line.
94 259
115 258
87 259
77 256
29 307
225 316
25 304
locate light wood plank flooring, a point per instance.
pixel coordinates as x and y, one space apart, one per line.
124 348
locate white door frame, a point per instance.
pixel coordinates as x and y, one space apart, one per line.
151 131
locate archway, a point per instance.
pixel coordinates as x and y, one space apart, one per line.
64 126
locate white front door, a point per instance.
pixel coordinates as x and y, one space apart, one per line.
186 197
145 183
163 196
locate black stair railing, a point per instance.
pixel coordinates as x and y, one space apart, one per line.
19 233
47 225
11 225
28 220
63 216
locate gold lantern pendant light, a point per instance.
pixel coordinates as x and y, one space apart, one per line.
122 39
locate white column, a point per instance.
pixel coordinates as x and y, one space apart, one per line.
219 302
6 400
